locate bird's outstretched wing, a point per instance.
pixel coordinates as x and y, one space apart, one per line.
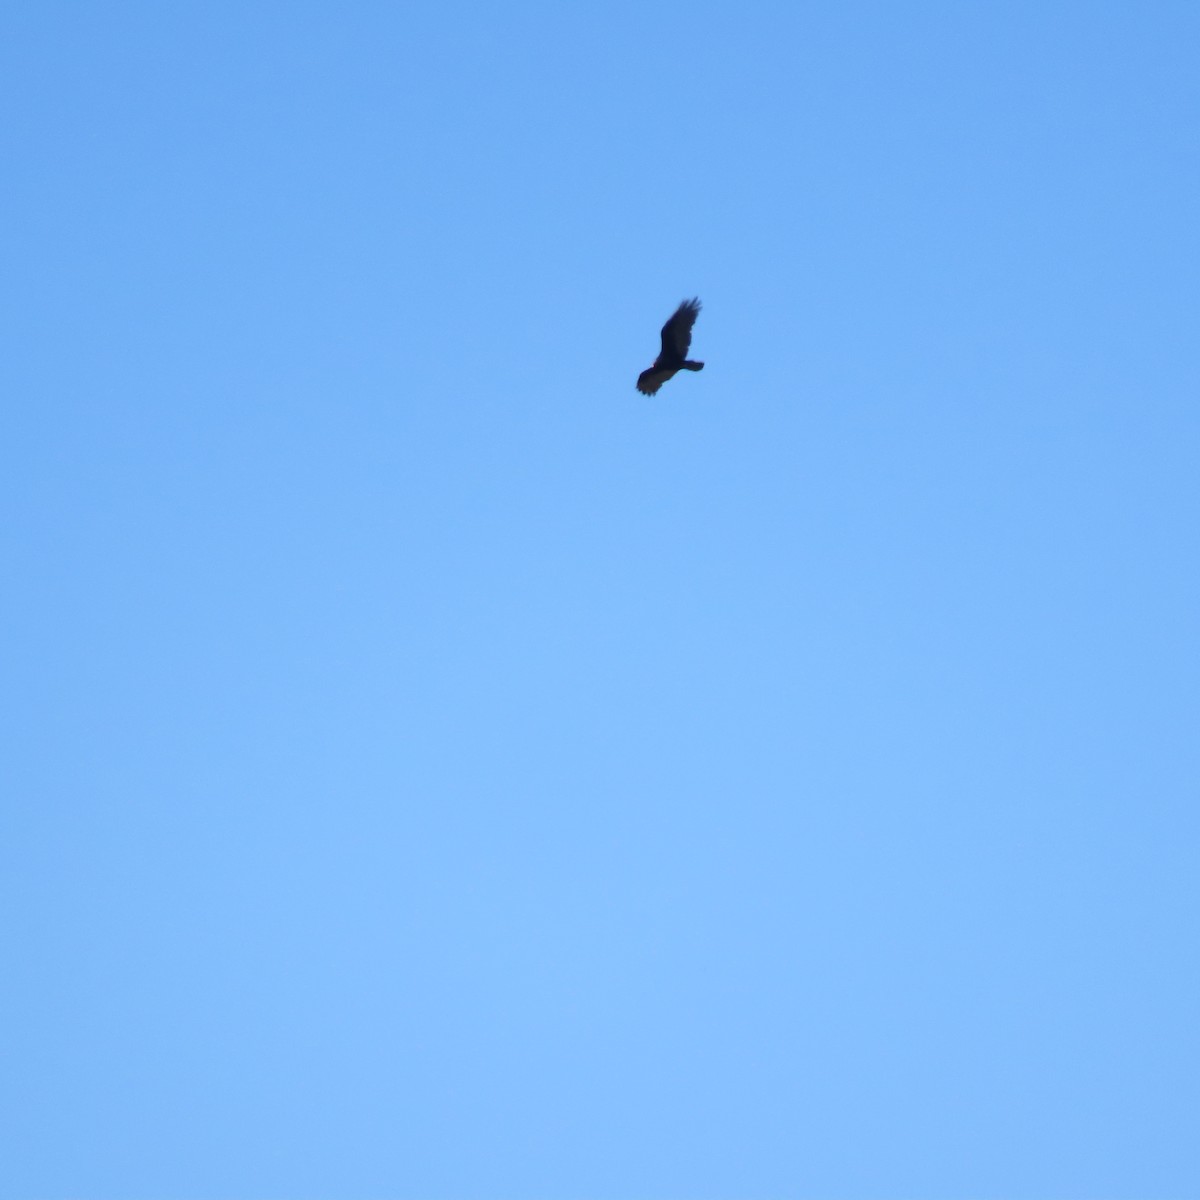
677 332
651 379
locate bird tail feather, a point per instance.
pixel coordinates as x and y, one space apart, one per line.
689 365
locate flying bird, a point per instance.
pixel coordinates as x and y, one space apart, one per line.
676 338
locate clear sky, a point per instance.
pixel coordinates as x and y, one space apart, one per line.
433 770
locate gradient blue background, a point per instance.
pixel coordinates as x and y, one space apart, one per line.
432 769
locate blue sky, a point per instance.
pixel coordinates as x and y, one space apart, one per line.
435 770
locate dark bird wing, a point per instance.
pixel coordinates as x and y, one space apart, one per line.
651 379
677 332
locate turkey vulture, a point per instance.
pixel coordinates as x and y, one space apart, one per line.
676 338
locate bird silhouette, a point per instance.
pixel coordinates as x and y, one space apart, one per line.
676 339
